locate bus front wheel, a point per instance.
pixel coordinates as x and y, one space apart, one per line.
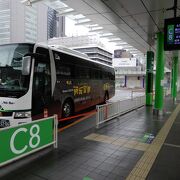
67 109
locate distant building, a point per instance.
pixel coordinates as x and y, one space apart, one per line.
129 71
20 23
52 21
121 53
96 53
89 45
55 24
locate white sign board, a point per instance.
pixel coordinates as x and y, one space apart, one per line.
124 62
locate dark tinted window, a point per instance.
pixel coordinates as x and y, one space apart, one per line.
112 75
96 74
105 75
63 68
64 58
45 54
70 66
82 72
42 71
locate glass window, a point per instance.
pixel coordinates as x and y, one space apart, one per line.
63 71
96 74
105 75
42 78
11 78
82 72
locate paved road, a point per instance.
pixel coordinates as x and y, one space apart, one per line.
122 94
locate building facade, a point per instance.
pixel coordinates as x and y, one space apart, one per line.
52 21
20 23
96 53
129 71
88 45
55 24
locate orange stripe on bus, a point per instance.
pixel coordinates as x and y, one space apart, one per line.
78 121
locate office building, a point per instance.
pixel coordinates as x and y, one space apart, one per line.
20 23
89 45
55 24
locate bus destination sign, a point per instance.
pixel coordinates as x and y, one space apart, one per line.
172 34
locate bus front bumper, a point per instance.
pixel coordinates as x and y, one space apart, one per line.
7 121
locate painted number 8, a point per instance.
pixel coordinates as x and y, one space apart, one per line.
34 133
34 136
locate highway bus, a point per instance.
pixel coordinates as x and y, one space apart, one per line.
37 78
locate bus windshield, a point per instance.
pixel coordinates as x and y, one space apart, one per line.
12 82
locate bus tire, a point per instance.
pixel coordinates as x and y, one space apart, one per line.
106 97
68 108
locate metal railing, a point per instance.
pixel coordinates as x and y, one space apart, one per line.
109 111
137 93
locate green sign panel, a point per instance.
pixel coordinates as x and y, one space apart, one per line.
24 139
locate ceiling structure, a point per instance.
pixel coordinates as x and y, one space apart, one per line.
131 24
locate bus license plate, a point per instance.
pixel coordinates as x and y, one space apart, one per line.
4 123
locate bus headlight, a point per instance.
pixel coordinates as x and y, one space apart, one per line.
23 114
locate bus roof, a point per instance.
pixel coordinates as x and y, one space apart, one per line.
68 51
65 50
5 44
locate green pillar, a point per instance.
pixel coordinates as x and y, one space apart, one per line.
159 94
149 78
174 77
172 82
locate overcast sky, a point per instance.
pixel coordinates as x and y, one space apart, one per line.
73 30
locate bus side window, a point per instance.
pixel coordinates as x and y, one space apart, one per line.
101 74
82 72
63 71
96 74
92 74
105 75
42 79
112 77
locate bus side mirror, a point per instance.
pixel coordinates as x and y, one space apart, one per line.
26 65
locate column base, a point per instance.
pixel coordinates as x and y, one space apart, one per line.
149 105
174 100
157 112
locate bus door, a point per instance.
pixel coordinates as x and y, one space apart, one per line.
96 85
41 95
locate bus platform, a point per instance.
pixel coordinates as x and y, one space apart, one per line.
132 146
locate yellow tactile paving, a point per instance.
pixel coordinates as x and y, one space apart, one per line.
119 142
91 136
109 141
144 165
142 146
132 144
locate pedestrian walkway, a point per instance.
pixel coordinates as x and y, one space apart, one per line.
167 163
116 151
